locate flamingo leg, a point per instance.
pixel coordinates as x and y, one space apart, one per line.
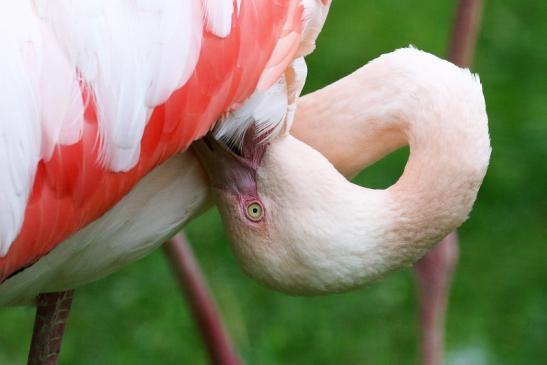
52 312
192 283
435 270
433 275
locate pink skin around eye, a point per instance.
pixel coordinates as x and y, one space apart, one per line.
231 173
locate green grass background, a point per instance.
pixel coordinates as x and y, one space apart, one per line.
498 307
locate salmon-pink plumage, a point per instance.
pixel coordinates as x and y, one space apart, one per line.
111 132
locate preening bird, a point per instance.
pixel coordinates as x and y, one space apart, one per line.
297 225
98 99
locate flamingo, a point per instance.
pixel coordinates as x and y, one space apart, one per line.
80 162
99 99
52 266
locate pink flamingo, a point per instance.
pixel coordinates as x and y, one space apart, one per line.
434 271
86 144
97 111
99 99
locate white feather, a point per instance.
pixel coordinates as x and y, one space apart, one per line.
20 130
315 13
60 96
270 111
295 75
264 109
219 16
133 55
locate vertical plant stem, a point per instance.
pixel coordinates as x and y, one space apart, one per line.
200 301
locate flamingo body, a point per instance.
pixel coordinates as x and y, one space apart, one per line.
102 96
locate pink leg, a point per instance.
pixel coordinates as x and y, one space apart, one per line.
435 270
464 34
433 278
51 316
193 285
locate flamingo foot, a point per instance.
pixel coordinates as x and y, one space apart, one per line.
51 316
433 275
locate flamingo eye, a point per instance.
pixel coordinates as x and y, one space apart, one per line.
254 211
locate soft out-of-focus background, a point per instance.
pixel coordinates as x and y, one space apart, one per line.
498 307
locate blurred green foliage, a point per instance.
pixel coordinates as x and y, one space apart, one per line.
498 307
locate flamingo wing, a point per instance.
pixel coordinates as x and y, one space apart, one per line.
93 95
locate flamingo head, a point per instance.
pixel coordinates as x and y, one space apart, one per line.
276 200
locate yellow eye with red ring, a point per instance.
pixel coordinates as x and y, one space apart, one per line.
254 211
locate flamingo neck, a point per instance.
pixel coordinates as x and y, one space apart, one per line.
406 97
320 232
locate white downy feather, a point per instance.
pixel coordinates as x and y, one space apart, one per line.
271 111
218 14
264 109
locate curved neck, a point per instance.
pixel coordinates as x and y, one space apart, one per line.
336 123
352 121
406 97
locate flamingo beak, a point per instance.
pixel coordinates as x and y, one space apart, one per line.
227 170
